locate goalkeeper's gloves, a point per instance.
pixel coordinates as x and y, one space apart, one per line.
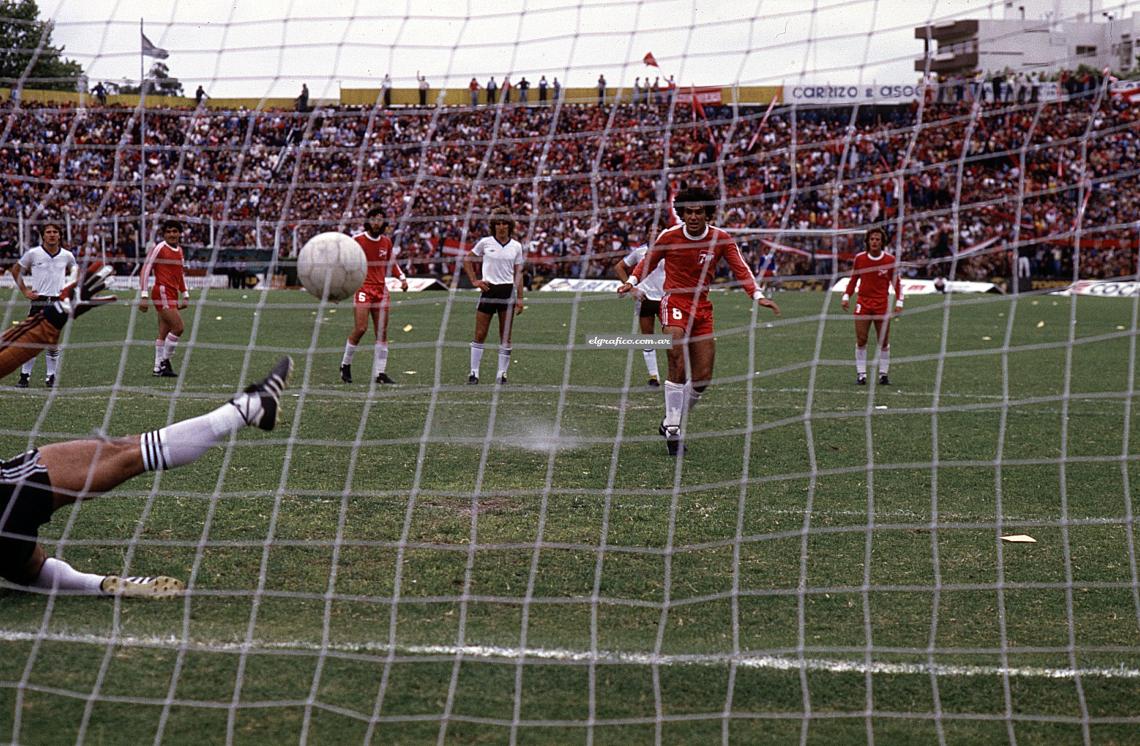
81 296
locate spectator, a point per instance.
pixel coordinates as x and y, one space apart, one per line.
542 85
473 86
303 99
285 182
100 93
507 89
524 86
557 88
492 86
200 96
423 89
386 89
601 89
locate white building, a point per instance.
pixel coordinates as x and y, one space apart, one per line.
1035 35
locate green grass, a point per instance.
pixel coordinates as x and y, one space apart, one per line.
938 446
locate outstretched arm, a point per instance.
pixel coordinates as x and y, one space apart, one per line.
28 338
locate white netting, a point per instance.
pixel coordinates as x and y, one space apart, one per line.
435 561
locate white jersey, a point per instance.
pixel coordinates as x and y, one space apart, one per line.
48 274
499 260
653 286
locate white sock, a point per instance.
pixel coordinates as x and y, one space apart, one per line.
861 360
58 575
159 344
168 346
185 442
674 403
504 361
380 358
28 367
51 359
349 351
884 360
692 396
651 362
476 357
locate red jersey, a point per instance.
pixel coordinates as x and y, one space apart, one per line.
381 256
165 263
690 263
872 278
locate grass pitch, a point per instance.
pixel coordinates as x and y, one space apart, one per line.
825 562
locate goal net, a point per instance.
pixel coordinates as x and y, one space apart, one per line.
943 552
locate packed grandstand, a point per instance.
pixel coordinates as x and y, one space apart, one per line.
1026 179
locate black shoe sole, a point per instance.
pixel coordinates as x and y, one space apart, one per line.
269 401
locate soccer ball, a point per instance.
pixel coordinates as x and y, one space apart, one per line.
331 265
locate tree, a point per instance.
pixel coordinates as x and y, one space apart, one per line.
25 42
158 82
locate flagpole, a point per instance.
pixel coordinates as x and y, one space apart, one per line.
142 146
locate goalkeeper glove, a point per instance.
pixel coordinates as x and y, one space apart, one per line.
80 297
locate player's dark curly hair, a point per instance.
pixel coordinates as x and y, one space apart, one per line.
502 215
171 223
376 212
882 233
698 197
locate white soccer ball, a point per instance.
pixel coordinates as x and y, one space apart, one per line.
331 265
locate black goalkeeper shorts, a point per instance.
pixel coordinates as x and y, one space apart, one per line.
25 505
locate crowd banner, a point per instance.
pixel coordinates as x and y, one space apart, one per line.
1103 289
571 285
706 95
851 93
930 287
415 284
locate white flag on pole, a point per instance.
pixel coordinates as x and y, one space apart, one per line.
150 50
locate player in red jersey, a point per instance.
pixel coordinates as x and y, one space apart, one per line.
691 251
168 291
371 300
875 271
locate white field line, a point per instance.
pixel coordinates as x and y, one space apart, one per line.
512 655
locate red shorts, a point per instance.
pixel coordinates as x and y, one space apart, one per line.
871 309
371 298
679 310
165 296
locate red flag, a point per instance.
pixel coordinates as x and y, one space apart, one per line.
698 107
650 60
756 136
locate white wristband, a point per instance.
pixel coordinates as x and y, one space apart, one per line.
846 297
757 295
632 280
898 304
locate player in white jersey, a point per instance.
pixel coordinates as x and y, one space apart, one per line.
502 258
649 294
50 267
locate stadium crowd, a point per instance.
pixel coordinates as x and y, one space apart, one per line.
587 181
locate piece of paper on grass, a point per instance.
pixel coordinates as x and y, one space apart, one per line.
1019 539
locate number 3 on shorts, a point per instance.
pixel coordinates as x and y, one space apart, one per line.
677 315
